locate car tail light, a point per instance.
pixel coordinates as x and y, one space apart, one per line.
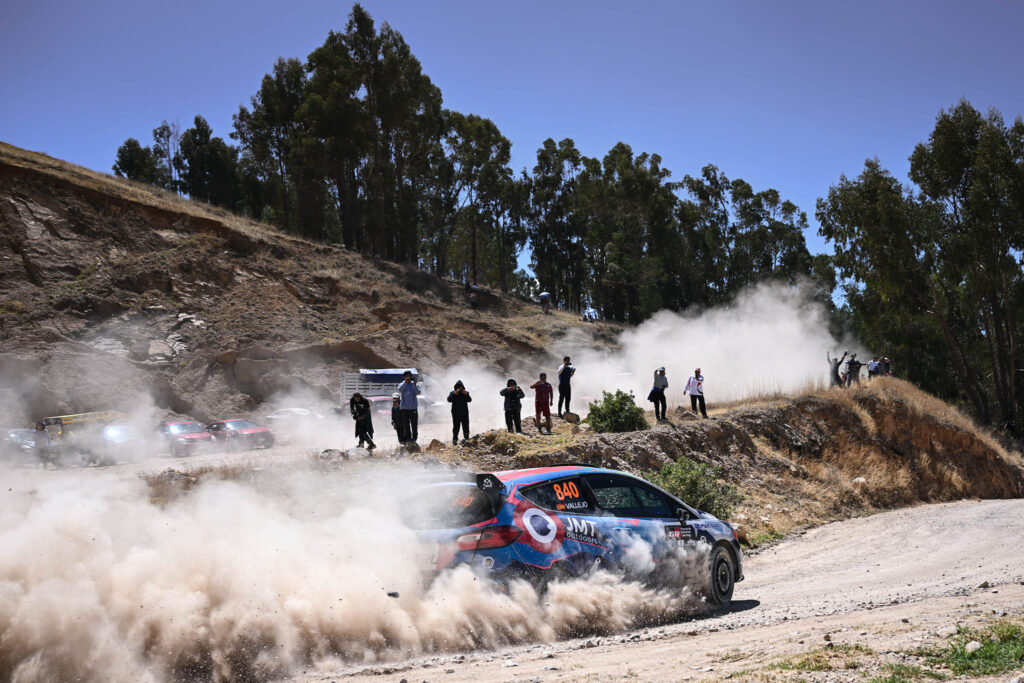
491 537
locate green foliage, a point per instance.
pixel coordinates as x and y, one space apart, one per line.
135 162
1002 649
903 673
699 485
616 412
932 277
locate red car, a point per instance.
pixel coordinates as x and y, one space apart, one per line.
184 438
241 435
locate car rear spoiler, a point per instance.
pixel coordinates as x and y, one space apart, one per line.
491 486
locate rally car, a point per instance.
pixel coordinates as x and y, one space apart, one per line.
567 520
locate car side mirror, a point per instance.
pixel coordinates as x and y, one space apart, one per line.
682 514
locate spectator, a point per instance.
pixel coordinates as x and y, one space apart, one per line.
409 407
513 406
834 379
361 413
396 417
872 368
695 388
542 401
853 367
565 374
43 445
657 394
460 400
545 301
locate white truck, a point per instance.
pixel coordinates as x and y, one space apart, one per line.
378 383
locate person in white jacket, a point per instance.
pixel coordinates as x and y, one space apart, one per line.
695 388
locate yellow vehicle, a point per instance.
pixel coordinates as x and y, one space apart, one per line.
91 438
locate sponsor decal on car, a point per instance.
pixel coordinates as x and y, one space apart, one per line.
584 531
539 525
544 531
678 535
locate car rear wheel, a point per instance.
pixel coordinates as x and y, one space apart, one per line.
722 577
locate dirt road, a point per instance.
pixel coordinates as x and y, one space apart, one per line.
886 584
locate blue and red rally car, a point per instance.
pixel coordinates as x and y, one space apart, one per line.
567 520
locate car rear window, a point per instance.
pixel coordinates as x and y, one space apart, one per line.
186 428
447 506
565 495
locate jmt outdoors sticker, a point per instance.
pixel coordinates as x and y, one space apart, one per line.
539 525
583 530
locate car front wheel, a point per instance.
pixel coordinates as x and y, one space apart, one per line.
722 577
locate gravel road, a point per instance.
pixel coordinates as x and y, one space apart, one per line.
888 582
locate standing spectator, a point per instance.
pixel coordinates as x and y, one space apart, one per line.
460 399
396 417
695 388
853 367
833 363
545 301
885 367
542 401
565 374
872 368
657 394
43 445
409 407
513 406
361 413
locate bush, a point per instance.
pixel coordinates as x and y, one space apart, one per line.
616 412
698 485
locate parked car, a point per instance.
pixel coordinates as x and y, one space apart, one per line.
184 438
565 521
292 415
296 423
17 444
240 435
121 441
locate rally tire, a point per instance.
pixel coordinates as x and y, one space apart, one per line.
721 577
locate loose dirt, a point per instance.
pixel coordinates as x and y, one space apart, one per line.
876 588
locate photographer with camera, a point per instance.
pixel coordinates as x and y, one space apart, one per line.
460 399
513 406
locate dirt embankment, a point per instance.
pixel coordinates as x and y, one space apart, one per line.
107 284
814 458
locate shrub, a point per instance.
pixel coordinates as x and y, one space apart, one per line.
616 412
698 485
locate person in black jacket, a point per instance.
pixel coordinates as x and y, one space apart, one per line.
460 399
513 406
853 367
360 409
396 417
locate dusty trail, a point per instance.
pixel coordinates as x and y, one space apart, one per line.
889 582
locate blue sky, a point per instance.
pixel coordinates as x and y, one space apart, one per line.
785 95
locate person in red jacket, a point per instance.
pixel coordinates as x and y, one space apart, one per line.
543 400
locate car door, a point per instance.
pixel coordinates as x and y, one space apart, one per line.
632 524
584 544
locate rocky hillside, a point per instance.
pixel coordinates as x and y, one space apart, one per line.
108 287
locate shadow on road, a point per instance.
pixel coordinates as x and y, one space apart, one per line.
741 606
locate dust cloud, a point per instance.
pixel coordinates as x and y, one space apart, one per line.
771 340
252 581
